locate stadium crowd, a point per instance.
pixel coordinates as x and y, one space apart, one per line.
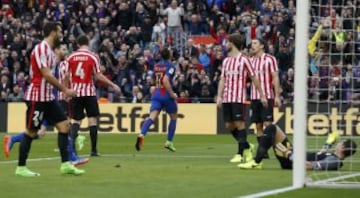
128 36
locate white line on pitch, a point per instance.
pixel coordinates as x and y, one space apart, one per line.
130 155
270 192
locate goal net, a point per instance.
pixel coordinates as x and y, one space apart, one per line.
333 88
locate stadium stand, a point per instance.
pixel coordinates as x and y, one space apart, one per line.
128 35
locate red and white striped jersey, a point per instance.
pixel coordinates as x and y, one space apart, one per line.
83 65
263 67
235 71
39 89
63 69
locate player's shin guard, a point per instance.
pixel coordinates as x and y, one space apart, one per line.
265 143
63 141
146 125
25 146
93 137
242 141
266 155
171 130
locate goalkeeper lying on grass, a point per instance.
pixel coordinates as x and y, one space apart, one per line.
323 160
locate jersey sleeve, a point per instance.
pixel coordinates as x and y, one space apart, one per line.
42 53
273 64
96 64
170 72
248 66
329 163
223 67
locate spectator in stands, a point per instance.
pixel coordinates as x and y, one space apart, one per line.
194 26
146 87
159 31
137 96
252 32
146 31
190 49
284 58
181 84
21 81
5 84
17 94
3 96
219 36
128 35
173 13
123 15
133 37
183 97
196 65
204 58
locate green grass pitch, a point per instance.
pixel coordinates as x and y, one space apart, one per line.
198 169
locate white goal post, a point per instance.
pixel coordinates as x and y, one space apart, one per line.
348 177
300 92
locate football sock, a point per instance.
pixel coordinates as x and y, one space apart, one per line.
17 137
235 134
258 139
45 123
242 141
71 149
265 143
146 125
93 137
63 141
74 130
25 146
171 130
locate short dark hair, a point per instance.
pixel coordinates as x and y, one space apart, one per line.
49 27
58 45
349 147
237 40
263 42
165 54
82 40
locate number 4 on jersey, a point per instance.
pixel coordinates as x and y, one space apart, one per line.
80 70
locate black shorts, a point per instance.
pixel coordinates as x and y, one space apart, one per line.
37 112
87 103
66 107
233 112
261 114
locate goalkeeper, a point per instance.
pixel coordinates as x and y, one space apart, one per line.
274 137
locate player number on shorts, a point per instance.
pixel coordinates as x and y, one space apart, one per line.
37 118
80 70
